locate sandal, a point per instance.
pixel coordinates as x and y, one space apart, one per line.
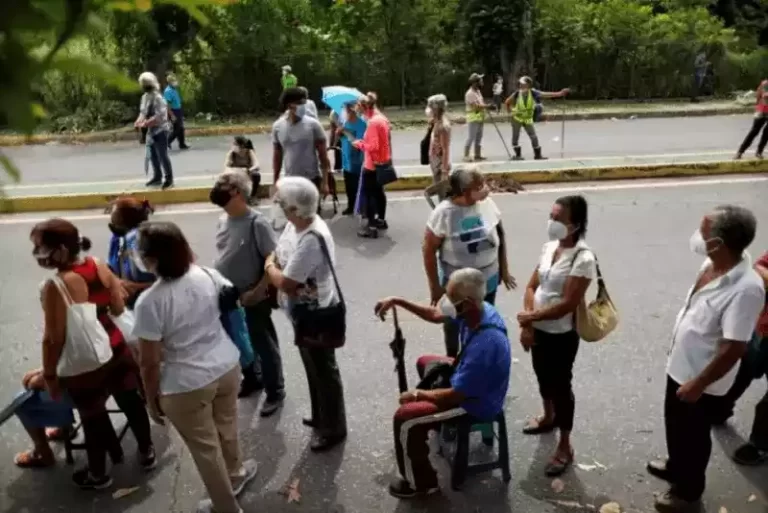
33 459
558 465
536 427
59 434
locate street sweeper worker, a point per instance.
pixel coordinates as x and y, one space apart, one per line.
525 107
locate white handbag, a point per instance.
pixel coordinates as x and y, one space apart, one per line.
125 323
87 344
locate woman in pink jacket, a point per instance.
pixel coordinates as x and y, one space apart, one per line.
377 152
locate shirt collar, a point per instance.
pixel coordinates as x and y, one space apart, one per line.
736 271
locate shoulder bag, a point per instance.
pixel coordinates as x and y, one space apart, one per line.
321 327
425 143
599 318
87 344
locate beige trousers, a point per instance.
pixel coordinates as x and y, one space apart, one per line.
206 419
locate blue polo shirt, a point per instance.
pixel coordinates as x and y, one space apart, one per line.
483 372
172 97
351 158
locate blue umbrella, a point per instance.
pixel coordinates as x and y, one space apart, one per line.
336 97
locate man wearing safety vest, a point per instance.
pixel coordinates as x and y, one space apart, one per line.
476 107
525 106
288 80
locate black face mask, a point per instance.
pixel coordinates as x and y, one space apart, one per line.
148 88
220 197
118 231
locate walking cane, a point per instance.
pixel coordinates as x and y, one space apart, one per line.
504 142
398 352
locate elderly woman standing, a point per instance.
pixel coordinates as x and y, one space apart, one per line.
440 140
465 231
153 115
302 269
189 365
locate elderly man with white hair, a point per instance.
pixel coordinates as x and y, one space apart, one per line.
478 383
244 241
302 269
153 116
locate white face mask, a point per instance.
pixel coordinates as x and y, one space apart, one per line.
428 112
301 110
447 308
698 245
556 230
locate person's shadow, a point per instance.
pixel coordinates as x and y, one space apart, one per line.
730 440
344 230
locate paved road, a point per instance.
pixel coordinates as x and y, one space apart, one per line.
639 230
606 138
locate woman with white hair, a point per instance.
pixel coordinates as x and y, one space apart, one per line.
465 231
302 270
153 116
440 140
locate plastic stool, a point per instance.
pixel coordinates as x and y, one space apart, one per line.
460 466
70 445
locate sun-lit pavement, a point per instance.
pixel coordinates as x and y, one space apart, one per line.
119 162
640 233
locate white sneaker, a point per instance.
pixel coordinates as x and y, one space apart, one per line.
247 474
206 506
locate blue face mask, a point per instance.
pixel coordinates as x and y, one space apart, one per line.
301 110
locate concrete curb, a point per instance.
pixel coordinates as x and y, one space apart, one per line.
406 183
554 114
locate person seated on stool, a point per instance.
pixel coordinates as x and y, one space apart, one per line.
478 385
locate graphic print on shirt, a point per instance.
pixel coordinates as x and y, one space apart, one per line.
474 234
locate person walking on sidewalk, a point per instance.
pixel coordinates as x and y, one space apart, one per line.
758 124
525 107
189 365
476 107
755 451
153 115
709 338
244 240
173 99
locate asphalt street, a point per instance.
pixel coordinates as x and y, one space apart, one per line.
640 232
52 164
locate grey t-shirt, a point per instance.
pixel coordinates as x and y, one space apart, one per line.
298 143
242 244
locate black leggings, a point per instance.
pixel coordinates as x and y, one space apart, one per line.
351 183
757 125
375 198
553 355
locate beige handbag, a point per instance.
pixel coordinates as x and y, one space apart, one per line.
598 319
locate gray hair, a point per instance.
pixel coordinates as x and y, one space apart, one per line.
469 284
462 178
299 195
438 101
148 78
735 226
236 180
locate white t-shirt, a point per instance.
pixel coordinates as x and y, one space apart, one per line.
470 238
724 309
552 278
302 260
183 315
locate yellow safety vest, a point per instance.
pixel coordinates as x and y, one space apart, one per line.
524 107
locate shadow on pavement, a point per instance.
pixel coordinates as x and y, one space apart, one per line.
730 440
344 231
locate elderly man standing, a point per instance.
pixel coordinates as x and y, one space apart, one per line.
153 116
477 387
173 99
244 240
476 108
709 338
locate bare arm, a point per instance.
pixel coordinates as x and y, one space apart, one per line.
530 291
503 263
573 295
445 144
277 162
430 246
554 94
279 280
427 313
763 272
446 397
322 153
111 283
728 353
55 330
150 355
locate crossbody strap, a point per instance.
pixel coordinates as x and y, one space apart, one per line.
59 283
601 288
327 254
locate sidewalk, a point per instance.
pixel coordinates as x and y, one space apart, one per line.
412 117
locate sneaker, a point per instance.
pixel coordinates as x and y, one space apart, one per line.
326 443
87 481
368 232
206 506
154 183
248 473
658 469
167 185
271 406
402 489
381 224
148 460
670 503
749 455
185 147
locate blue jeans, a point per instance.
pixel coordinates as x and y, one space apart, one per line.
158 154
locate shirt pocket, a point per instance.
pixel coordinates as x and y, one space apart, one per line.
705 317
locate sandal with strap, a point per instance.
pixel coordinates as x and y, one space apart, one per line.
59 434
32 459
536 427
558 465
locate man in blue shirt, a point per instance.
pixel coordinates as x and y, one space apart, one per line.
478 385
352 129
173 99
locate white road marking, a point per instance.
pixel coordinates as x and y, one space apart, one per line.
138 182
583 187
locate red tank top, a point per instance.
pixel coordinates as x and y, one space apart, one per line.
99 295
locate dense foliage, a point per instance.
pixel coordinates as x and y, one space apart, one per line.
228 56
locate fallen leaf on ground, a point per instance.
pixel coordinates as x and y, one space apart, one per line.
752 498
611 507
587 468
558 485
124 492
291 491
723 509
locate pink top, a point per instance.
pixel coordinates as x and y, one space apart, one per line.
762 97
376 142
